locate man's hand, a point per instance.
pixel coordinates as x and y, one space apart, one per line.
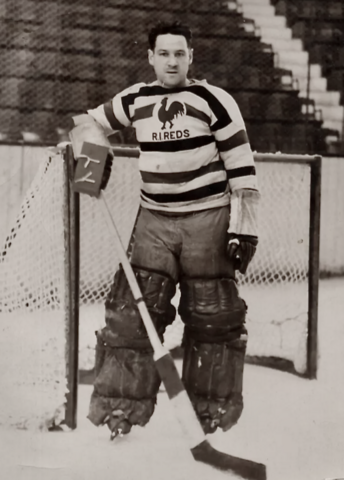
241 249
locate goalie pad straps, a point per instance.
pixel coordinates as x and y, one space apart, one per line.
244 212
86 129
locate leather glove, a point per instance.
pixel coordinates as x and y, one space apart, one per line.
241 249
107 171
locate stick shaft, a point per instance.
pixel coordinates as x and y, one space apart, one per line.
164 362
159 350
184 411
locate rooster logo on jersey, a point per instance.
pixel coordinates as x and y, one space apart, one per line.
168 114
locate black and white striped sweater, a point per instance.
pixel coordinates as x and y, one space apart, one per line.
194 146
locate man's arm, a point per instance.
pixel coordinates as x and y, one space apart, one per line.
100 122
117 113
235 151
95 126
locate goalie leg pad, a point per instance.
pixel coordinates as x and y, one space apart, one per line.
127 381
214 350
212 374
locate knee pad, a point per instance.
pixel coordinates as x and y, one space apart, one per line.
122 315
214 349
212 309
127 381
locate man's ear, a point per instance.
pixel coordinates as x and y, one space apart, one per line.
191 56
150 57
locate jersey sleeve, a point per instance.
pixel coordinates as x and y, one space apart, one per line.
114 115
229 130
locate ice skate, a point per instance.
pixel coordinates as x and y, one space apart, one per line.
118 425
209 424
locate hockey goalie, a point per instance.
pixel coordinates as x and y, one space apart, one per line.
197 225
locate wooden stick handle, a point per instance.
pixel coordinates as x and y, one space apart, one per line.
158 348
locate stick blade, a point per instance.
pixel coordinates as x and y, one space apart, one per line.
247 469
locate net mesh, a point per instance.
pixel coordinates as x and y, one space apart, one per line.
32 313
32 281
275 286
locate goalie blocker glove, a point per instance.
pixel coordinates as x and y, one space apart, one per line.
86 129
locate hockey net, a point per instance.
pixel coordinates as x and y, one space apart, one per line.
35 291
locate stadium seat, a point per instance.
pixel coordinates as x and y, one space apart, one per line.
335 79
320 25
58 59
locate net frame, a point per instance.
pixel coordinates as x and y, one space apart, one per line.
70 251
314 164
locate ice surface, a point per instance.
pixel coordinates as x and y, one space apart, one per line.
293 425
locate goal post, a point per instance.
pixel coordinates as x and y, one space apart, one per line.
72 292
58 261
314 267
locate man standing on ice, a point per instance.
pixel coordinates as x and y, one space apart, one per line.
197 225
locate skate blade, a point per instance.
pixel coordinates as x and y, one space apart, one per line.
116 433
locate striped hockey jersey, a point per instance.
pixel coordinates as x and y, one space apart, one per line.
194 146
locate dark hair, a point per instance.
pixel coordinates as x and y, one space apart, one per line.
174 28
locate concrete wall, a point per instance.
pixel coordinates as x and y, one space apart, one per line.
332 216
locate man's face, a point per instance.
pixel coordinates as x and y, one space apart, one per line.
171 59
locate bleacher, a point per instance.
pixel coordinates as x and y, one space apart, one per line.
320 24
57 59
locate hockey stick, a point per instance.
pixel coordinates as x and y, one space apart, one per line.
200 447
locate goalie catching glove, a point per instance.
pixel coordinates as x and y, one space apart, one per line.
243 237
86 129
241 249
